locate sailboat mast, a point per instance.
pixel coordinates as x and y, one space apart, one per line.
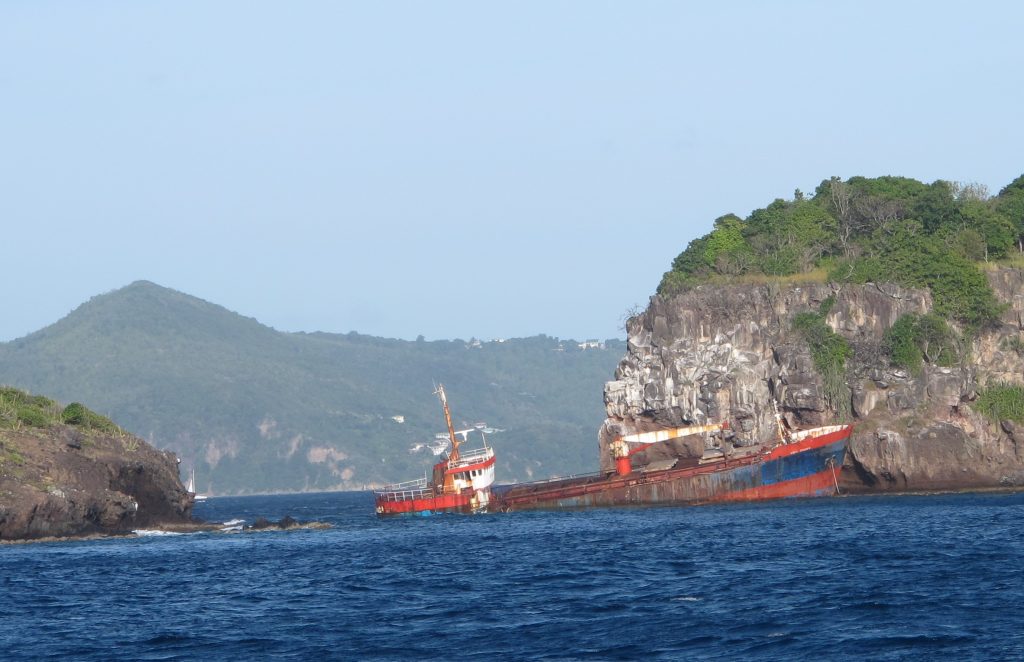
454 455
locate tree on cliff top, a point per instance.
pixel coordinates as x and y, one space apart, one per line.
870 229
20 409
1010 203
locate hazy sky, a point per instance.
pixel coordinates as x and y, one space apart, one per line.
459 169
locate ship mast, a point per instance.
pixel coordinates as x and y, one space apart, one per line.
783 437
454 455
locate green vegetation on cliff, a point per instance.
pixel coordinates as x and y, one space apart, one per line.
19 409
1002 402
829 351
916 339
885 229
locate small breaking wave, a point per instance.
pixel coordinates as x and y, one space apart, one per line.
232 525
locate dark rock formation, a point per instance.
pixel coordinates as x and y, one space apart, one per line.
720 353
284 524
62 481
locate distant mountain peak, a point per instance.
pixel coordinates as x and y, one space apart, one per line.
152 288
156 311
145 284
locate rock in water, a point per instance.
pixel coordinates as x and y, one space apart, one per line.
286 522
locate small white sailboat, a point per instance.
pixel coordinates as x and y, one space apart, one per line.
191 488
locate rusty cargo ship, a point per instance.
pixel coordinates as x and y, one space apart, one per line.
803 463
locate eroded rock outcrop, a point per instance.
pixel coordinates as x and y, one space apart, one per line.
60 481
720 353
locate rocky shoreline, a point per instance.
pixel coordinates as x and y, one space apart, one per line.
62 483
61 480
261 525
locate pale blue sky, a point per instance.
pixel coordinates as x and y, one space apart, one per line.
459 169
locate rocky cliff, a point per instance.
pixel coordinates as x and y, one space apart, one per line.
61 480
719 353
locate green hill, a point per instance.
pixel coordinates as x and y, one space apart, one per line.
258 410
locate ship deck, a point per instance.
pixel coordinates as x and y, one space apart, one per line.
581 485
806 467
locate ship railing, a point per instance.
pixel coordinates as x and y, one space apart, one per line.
392 495
800 435
407 485
402 495
472 457
594 475
410 489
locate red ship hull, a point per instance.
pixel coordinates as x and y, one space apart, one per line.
429 505
809 467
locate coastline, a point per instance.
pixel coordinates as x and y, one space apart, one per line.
223 528
175 529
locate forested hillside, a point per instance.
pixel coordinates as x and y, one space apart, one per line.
883 229
257 410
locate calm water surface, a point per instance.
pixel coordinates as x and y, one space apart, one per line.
869 578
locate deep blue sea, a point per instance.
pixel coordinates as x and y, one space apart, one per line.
862 577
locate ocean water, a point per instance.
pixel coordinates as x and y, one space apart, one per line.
873 578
